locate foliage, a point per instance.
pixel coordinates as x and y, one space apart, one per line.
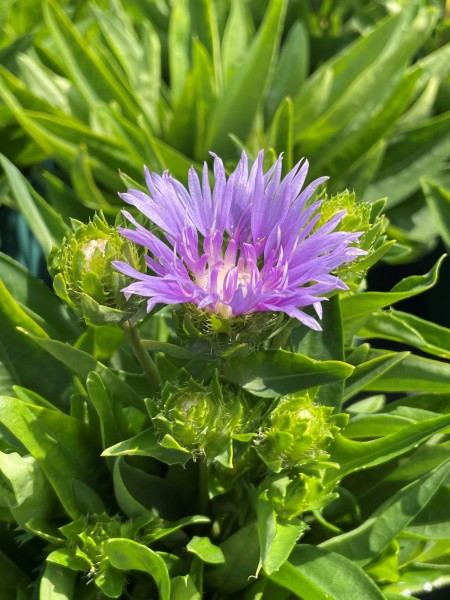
100 87
246 476
176 456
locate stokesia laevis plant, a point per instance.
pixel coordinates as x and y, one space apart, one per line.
249 245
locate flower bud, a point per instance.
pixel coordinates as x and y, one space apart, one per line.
87 539
84 276
201 419
294 495
298 434
359 217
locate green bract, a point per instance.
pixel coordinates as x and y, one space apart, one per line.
211 333
84 276
364 217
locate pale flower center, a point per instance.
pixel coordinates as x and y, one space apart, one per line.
90 247
203 281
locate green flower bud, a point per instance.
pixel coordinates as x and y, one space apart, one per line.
292 496
84 276
88 537
201 419
212 333
298 434
360 216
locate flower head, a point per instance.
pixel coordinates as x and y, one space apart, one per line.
248 245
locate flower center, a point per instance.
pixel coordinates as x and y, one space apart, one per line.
223 279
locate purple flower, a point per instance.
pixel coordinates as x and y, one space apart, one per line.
249 244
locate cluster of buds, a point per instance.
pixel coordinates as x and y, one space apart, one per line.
84 276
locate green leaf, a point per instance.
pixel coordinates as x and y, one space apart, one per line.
241 551
357 308
370 371
415 152
29 494
57 583
438 200
35 298
184 588
291 70
128 555
353 456
139 56
364 92
112 422
372 426
71 558
45 223
149 443
271 373
205 550
412 374
432 522
282 138
179 42
82 363
330 81
205 28
408 329
324 345
368 540
94 78
62 446
169 349
235 39
168 530
316 574
21 362
373 123
205 95
247 85
276 538
139 493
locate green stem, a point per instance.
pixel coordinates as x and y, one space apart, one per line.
203 497
142 356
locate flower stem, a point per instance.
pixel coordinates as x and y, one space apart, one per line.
142 356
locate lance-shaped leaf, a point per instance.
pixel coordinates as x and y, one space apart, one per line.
82 363
408 329
62 445
368 540
369 371
272 373
352 455
247 85
45 223
128 555
313 573
357 308
412 374
150 443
